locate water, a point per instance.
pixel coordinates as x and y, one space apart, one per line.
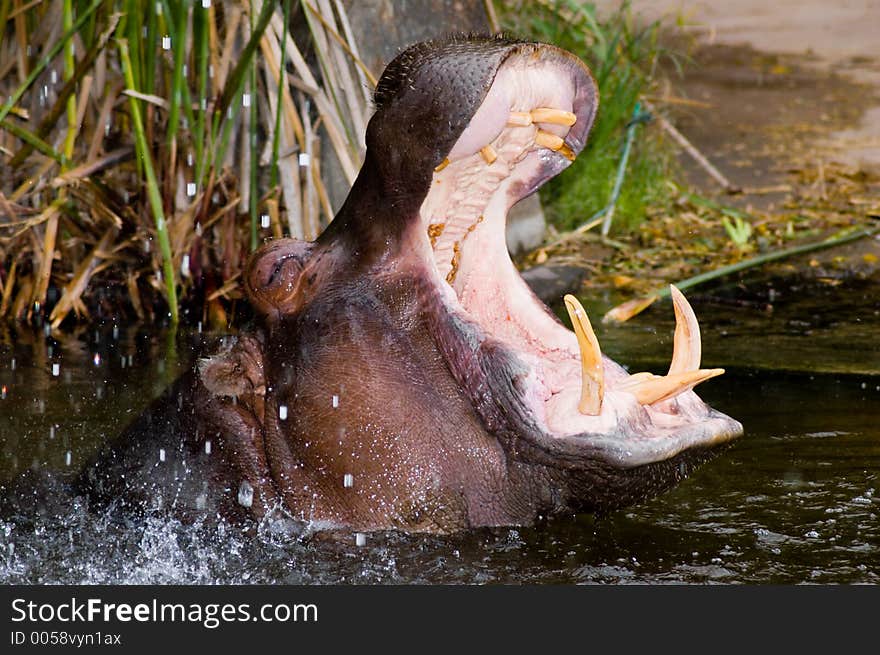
796 500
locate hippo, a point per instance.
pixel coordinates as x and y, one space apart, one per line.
400 373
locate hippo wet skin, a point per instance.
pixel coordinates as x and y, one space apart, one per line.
403 376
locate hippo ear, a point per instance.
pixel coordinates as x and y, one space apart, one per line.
274 275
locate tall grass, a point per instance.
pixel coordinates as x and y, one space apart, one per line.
133 147
147 146
623 58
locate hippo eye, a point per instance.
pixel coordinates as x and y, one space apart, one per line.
276 271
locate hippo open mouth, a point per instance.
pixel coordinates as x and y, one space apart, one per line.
532 123
402 374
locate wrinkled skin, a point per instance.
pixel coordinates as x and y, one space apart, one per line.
403 376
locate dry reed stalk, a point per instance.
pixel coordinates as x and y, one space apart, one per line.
73 291
368 79
7 288
332 121
290 134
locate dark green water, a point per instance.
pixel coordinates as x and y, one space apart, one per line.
797 499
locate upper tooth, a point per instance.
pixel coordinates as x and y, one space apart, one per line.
686 350
548 140
488 153
519 119
592 373
555 116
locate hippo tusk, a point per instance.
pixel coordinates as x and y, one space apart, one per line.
687 346
489 155
592 373
684 371
650 390
553 116
443 164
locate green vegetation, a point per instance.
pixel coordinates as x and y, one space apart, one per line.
622 58
133 147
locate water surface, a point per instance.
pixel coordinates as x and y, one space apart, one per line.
795 500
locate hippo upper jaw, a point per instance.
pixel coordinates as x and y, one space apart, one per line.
500 341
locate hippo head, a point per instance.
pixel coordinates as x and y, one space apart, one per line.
404 375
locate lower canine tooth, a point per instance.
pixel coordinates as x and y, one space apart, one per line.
549 140
489 155
554 116
655 389
443 164
592 373
687 347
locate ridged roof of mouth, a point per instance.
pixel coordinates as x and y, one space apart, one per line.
532 123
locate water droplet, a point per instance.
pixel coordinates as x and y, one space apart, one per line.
206 4
304 159
166 43
51 431
208 447
335 401
264 221
245 99
282 412
12 364
184 266
68 456
199 327
161 454
53 76
348 481
245 494
198 228
115 332
189 159
97 359
360 539
3 391
56 370
191 189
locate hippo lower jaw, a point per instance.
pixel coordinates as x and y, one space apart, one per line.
550 387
